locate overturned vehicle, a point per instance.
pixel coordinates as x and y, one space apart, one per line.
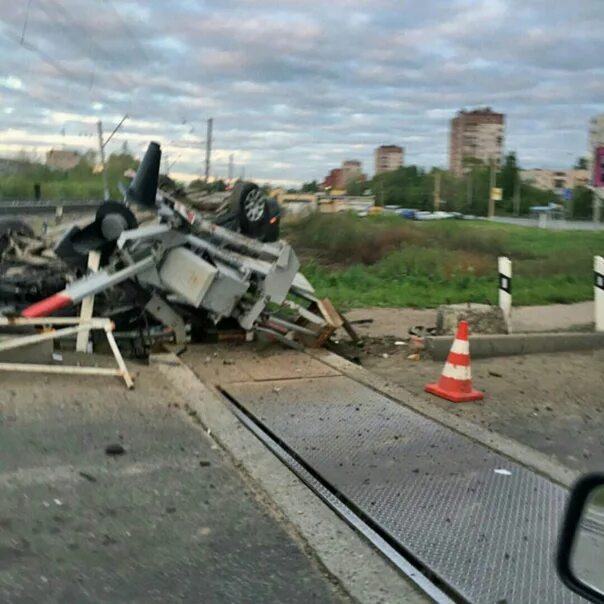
163 271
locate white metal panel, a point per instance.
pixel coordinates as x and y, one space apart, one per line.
187 275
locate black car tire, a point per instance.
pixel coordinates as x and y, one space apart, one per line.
250 204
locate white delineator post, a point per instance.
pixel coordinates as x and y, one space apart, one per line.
599 292
505 289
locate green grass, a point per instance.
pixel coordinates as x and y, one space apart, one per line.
385 261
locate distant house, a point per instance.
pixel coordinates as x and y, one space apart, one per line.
60 159
555 180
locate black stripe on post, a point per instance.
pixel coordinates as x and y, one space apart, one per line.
599 280
505 283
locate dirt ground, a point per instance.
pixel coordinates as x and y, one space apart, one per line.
550 402
397 321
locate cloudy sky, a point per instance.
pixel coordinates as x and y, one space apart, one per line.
296 86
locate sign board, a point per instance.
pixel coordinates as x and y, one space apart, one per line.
496 194
599 167
567 194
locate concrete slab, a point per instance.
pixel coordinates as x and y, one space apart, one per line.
438 494
364 573
226 364
405 385
395 322
500 345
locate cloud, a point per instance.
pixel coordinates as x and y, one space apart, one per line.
295 88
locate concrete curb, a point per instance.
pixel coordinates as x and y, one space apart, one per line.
360 570
516 451
497 345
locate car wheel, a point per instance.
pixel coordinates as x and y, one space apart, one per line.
250 204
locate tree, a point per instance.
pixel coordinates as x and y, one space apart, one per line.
89 157
583 200
356 187
310 187
509 175
581 163
408 186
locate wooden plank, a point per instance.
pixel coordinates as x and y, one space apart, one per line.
94 261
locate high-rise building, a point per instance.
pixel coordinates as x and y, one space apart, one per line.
596 140
334 180
352 170
339 178
475 135
388 158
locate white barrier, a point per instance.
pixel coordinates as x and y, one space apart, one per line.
505 290
599 292
68 326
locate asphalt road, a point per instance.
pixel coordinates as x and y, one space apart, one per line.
571 225
170 520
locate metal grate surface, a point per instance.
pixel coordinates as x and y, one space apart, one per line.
490 536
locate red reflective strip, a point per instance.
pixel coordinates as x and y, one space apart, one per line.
47 306
458 359
450 384
273 220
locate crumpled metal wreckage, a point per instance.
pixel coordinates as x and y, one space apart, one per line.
180 273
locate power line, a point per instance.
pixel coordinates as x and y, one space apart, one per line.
128 30
91 49
25 21
56 65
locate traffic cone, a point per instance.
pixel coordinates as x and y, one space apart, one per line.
455 383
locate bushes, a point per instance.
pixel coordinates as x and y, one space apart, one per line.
384 261
79 183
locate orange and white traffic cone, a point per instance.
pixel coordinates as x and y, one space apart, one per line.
455 383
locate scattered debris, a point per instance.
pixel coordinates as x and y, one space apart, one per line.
204 463
502 472
176 275
361 322
482 318
115 449
417 344
88 477
495 373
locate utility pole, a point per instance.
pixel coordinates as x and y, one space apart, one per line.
102 145
517 194
436 191
470 189
208 148
598 196
99 126
231 167
491 213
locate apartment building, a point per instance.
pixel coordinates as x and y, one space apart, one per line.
475 135
388 158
